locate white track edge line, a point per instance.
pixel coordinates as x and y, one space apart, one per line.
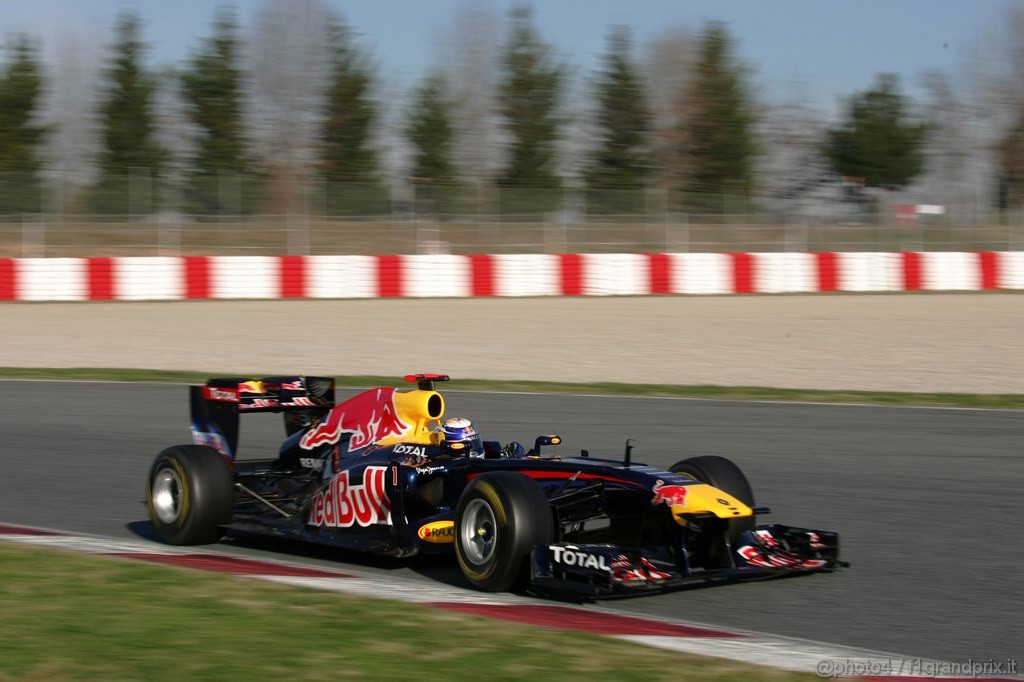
739 401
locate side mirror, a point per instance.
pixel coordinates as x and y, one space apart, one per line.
545 440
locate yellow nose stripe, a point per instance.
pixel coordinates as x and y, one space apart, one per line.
702 499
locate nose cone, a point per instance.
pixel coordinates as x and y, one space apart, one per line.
702 499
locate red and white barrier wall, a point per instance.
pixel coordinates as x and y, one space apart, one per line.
613 274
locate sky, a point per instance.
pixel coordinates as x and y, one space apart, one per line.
819 50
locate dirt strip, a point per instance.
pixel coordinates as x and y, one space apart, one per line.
928 342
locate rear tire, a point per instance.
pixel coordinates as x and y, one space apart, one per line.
723 474
499 518
190 494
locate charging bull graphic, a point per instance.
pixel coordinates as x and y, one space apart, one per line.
668 494
369 417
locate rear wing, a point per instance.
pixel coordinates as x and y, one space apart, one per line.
215 406
272 394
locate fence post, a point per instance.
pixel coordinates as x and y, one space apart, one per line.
497 235
57 211
565 217
795 235
666 225
33 237
666 220
477 200
289 230
393 209
545 217
416 221
169 234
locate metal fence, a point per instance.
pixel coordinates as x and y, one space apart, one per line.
234 216
77 236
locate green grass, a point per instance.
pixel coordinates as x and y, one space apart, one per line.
71 616
1003 401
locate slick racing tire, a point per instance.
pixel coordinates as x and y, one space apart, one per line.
723 474
499 518
190 494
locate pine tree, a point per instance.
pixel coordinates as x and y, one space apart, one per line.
529 96
348 154
224 178
878 142
20 137
130 161
431 133
621 161
718 129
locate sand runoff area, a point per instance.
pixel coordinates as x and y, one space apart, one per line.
904 342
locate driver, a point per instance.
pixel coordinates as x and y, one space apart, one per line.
459 430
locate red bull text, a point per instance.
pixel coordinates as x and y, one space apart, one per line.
341 504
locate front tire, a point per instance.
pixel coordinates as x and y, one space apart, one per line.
723 474
499 518
190 494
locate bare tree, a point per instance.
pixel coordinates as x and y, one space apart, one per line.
288 59
470 56
952 147
69 110
175 132
792 167
668 68
993 89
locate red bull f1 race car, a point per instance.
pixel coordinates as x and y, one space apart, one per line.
385 472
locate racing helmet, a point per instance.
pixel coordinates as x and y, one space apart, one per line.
458 435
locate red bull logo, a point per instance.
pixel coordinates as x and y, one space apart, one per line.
250 387
369 417
341 504
669 494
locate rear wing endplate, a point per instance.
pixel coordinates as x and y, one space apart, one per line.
215 406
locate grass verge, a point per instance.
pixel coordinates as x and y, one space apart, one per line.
983 400
69 616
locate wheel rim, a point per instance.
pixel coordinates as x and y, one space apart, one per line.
477 532
167 495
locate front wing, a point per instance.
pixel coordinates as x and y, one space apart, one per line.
769 550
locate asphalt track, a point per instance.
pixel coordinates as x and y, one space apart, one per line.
927 500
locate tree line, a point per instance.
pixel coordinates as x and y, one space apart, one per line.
700 140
